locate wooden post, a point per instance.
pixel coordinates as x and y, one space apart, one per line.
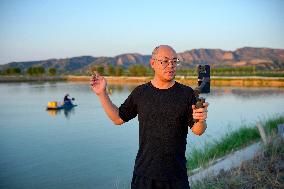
262 132
281 130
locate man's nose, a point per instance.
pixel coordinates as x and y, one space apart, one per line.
171 64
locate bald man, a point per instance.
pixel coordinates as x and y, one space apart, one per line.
165 110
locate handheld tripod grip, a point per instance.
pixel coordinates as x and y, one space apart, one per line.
199 104
199 127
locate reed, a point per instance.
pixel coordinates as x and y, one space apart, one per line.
265 170
230 142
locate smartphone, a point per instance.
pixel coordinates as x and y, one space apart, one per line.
204 78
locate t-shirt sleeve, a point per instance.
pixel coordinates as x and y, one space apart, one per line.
128 110
192 101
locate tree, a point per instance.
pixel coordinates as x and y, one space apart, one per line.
12 71
132 70
141 70
18 70
99 69
52 71
137 70
119 71
110 70
38 70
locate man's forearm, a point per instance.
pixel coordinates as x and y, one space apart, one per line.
199 127
110 108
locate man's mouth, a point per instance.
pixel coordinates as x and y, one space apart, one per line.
169 72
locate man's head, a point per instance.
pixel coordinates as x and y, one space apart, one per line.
164 61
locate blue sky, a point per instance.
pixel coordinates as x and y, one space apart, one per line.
43 29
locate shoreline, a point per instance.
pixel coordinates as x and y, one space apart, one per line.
234 148
261 168
242 81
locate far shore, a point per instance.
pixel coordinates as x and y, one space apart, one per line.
248 81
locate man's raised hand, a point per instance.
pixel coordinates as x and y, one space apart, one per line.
98 84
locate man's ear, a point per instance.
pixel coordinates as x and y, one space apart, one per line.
152 63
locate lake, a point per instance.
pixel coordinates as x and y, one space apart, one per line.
81 148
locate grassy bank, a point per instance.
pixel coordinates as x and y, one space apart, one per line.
215 81
239 81
266 170
230 142
192 81
7 79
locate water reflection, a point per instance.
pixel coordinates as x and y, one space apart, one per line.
215 91
67 112
116 88
245 92
257 92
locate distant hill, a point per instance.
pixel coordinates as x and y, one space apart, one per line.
262 58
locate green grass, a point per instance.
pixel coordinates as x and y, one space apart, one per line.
230 142
265 170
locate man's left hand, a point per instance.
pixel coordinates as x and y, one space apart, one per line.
200 114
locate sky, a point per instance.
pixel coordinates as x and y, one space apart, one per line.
43 29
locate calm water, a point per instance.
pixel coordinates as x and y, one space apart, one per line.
82 148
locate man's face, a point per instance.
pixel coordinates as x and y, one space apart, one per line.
165 63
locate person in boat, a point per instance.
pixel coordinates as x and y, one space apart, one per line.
67 100
165 109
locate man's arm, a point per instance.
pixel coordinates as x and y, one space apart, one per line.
98 85
199 114
110 109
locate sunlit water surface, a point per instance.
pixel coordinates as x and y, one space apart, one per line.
81 148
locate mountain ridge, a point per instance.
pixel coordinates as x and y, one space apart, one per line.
262 58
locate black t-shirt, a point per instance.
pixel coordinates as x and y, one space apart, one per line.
164 116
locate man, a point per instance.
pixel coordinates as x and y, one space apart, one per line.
66 99
165 110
